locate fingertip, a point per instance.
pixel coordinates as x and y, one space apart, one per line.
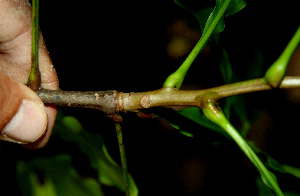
23 117
43 140
28 124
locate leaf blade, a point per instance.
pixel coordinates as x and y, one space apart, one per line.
92 145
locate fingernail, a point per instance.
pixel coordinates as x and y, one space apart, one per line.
28 124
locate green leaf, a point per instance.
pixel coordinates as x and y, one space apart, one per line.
46 189
255 67
291 194
236 104
25 182
72 123
225 67
58 178
195 114
292 170
267 180
185 133
92 145
263 190
275 165
202 16
215 21
191 122
235 6
205 16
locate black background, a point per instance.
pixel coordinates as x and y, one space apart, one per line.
121 45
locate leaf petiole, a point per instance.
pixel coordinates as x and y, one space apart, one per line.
176 78
213 113
123 157
34 79
276 72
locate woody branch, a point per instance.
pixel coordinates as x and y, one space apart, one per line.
113 102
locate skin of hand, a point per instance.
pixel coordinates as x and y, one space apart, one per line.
23 116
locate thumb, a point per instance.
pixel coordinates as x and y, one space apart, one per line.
22 114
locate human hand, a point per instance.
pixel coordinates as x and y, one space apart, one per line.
23 116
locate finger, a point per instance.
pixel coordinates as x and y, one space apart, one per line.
23 117
15 55
16 63
16 19
49 80
43 140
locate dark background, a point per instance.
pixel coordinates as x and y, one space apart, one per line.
121 45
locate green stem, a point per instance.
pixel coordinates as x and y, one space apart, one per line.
213 113
276 72
176 78
34 79
123 157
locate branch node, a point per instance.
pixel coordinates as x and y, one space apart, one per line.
145 101
116 118
209 97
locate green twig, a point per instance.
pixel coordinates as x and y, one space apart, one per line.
213 113
123 157
34 79
276 72
176 78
